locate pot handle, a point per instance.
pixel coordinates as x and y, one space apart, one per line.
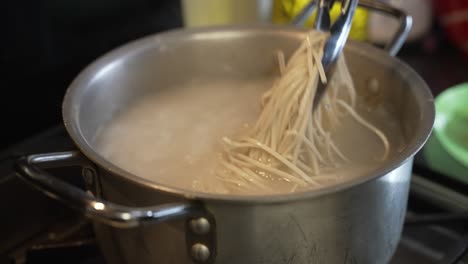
397 40
29 169
406 21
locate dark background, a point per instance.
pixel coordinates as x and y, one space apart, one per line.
45 43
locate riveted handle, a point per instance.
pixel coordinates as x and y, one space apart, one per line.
29 169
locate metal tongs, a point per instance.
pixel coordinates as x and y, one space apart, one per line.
339 32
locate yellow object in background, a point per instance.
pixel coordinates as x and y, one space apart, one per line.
285 10
198 13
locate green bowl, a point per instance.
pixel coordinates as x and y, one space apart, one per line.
451 122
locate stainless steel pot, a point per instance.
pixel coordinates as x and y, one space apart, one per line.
142 221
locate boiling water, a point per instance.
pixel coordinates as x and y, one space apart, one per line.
174 137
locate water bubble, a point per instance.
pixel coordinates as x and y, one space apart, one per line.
373 85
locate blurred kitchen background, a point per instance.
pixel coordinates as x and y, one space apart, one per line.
45 43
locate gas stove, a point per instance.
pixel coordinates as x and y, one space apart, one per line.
36 229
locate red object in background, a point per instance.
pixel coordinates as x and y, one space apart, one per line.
453 17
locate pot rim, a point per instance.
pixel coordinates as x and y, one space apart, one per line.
70 109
